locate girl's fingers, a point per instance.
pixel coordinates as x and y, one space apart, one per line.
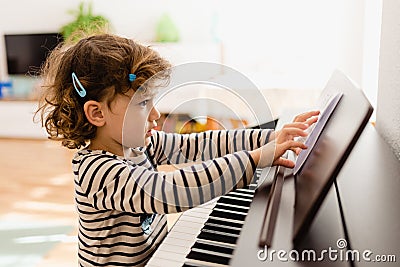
284 162
294 146
291 144
296 150
304 116
299 125
311 121
292 132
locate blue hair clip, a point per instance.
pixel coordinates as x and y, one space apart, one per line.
81 91
132 77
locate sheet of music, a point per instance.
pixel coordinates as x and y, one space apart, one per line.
315 131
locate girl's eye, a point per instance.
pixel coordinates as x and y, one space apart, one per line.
143 103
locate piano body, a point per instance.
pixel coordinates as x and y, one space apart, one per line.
355 223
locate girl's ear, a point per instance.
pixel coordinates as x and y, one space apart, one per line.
94 113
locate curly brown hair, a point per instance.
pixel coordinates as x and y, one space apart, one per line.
102 63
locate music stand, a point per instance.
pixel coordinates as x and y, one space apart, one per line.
341 132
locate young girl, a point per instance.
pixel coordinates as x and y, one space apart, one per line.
121 198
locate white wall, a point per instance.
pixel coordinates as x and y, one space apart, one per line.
294 40
132 18
388 112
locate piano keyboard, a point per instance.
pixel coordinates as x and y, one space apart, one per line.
206 235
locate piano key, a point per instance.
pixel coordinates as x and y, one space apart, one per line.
228 214
240 195
161 262
245 190
216 243
206 258
181 237
172 248
217 236
184 229
204 245
179 243
208 234
192 222
192 219
222 222
197 263
223 225
235 201
211 251
232 207
221 229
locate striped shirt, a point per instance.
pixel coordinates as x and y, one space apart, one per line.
114 194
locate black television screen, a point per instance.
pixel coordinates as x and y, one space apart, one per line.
27 52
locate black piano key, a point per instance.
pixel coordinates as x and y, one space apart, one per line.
232 207
237 216
218 236
192 264
197 263
234 201
216 242
212 248
221 229
206 257
222 226
221 222
241 195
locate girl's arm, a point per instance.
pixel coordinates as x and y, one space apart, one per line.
170 148
110 183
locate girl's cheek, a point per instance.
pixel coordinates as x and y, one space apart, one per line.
134 128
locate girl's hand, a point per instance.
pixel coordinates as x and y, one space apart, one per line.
308 118
271 153
302 121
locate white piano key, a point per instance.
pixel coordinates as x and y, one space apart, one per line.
184 234
175 249
179 243
181 237
189 223
188 230
162 262
178 235
198 211
203 263
194 219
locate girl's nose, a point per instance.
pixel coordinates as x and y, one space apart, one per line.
154 114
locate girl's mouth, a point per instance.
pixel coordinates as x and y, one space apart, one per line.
149 133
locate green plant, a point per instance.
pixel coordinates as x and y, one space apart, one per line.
85 23
166 30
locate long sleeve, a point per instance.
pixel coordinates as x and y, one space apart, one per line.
171 148
110 183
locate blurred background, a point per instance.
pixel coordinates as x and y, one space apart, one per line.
287 48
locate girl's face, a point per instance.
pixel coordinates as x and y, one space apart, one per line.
127 121
139 120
